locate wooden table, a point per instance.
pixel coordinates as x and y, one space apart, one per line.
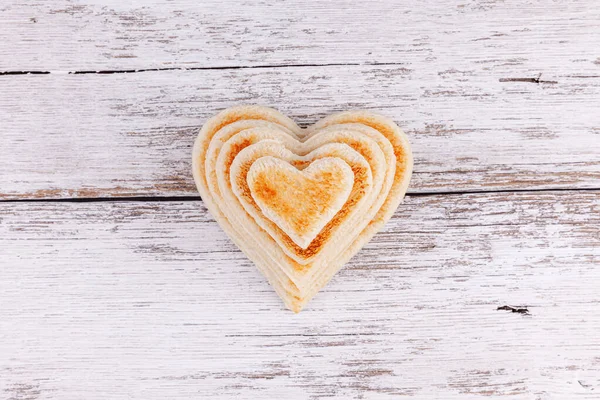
115 282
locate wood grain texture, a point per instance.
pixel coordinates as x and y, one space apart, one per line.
151 300
554 37
130 134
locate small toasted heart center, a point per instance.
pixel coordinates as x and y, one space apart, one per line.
300 203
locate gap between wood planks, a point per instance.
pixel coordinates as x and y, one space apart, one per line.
198 198
132 71
536 80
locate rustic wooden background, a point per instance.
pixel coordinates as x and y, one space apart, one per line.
115 283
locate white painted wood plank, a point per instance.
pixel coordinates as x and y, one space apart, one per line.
150 300
554 37
131 134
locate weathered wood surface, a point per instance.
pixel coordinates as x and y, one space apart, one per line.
553 37
131 134
151 300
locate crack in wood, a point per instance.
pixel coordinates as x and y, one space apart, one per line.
583 385
518 310
530 80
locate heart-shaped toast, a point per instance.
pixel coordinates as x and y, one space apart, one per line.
300 202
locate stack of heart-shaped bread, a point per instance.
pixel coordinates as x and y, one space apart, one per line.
300 202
